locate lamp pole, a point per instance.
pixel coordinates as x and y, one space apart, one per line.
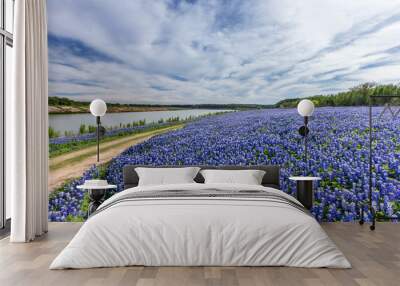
98 138
305 108
98 108
305 144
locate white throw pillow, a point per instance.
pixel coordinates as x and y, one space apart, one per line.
166 176
247 177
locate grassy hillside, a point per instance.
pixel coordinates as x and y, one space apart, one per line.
66 105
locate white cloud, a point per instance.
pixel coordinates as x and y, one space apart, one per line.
254 51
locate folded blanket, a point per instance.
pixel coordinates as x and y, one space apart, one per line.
205 193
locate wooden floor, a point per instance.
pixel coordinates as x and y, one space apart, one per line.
375 257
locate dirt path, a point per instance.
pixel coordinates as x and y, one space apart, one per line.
73 164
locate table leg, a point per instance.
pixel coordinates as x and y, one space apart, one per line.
305 193
95 199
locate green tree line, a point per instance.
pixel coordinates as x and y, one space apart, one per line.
63 101
356 96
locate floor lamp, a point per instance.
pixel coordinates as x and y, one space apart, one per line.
305 108
98 108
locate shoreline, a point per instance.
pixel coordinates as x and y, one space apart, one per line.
85 109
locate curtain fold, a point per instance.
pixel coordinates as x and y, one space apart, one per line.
28 123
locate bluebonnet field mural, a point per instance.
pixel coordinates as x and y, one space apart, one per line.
264 55
338 151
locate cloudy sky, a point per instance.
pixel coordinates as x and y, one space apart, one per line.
219 51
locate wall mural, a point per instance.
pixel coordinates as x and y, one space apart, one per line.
212 85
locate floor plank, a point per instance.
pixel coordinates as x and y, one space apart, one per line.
375 257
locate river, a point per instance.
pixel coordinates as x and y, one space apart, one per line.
71 122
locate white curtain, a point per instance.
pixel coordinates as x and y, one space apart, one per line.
28 123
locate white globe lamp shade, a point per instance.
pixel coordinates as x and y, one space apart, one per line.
305 107
98 107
